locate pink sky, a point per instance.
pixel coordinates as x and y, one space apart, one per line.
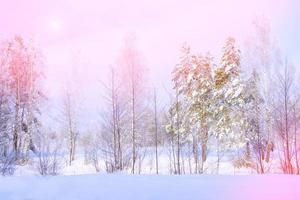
93 31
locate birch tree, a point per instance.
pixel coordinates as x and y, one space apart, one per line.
6 153
285 97
25 74
72 100
113 122
133 72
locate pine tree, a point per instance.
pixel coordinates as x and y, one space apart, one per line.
229 100
193 79
257 137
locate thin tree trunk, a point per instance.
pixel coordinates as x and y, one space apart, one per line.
204 145
178 132
133 123
174 156
189 158
288 157
196 154
295 142
113 99
156 132
16 124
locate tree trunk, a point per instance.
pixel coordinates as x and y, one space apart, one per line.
156 133
133 124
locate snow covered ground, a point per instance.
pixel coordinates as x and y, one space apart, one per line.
150 187
81 182
80 167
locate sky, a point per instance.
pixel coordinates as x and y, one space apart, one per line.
88 34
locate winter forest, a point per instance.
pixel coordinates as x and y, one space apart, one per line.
231 110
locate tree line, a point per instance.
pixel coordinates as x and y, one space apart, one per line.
243 107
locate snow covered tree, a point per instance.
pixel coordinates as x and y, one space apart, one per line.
6 153
262 53
201 98
178 129
24 65
258 140
178 108
193 80
229 100
134 81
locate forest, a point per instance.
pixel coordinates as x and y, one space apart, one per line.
237 112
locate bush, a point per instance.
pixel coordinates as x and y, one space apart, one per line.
7 164
48 151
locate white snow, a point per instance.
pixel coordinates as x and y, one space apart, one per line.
81 182
150 187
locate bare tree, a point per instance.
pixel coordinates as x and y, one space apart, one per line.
91 141
48 147
296 124
156 131
113 122
70 112
134 82
72 100
283 118
178 129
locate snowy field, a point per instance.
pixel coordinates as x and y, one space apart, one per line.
150 187
80 181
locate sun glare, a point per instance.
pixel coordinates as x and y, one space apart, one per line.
55 25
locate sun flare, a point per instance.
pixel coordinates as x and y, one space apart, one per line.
55 24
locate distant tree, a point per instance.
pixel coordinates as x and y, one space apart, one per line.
262 53
155 130
260 144
177 129
296 131
69 113
70 110
49 146
283 120
113 122
134 81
